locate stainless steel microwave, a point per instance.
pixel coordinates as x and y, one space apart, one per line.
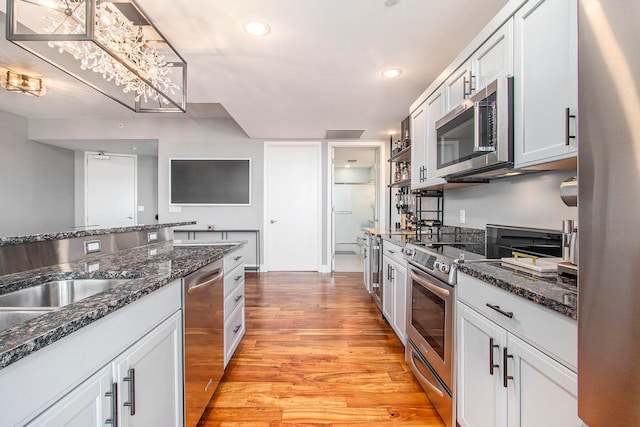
475 140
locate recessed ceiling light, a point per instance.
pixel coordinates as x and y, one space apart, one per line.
391 73
257 28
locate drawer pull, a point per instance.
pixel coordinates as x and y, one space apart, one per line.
491 364
505 359
113 394
497 308
238 298
237 258
131 379
237 328
237 278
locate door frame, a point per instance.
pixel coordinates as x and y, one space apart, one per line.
86 182
381 194
265 227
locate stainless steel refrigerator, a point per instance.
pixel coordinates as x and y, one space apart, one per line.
609 212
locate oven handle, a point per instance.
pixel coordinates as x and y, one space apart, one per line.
417 276
426 380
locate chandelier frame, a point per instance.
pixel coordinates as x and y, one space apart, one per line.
28 39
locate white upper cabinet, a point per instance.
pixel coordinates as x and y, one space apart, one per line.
423 154
457 86
492 59
545 81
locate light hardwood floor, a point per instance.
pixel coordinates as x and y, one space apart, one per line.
316 353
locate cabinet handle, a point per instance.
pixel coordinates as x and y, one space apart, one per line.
567 123
237 258
497 308
464 88
237 328
505 359
238 298
391 252
113 394
472 86
491 364
131 379
237 278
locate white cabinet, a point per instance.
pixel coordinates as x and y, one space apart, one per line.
142 387
506 376
394 289
423 156
492 59
545 81
234 327
149 377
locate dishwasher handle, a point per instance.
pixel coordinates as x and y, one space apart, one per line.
210 279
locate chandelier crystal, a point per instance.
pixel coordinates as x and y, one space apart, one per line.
113 44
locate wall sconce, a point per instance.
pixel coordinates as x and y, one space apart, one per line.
16 82
111 46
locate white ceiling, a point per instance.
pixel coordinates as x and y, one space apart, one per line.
318 69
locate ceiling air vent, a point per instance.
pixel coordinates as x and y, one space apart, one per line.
344 134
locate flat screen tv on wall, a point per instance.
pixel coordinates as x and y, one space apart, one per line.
207 181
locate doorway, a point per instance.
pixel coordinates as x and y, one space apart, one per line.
355 203
292 200
110 190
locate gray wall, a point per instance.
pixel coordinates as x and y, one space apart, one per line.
148 189
36 182
530 200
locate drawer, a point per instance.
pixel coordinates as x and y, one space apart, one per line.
232 260
235 299
393 251
551 332
233 332
233 278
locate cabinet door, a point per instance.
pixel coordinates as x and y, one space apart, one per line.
545 82
435 111
418 147
85 406
457 86
400 302
494 58
543 392
150 378
481 396
387 289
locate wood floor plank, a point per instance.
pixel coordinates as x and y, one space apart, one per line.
316 353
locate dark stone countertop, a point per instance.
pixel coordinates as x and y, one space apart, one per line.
150 267
83 232
556 292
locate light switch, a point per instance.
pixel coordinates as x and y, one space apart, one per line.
175 208
462 216
140 208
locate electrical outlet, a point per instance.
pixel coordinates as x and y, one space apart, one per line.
462 216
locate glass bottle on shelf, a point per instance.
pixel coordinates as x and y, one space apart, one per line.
406 142
398 176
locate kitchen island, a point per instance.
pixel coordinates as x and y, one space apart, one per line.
79 359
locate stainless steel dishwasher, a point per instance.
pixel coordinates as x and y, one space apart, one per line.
203 296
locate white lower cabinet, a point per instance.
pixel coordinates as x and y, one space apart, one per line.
394 290
84 378
142 387
233 303
502 379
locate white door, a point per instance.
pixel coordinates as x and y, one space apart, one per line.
110 190
482 398
150 378
292 206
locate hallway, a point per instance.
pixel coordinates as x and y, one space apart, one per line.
316 352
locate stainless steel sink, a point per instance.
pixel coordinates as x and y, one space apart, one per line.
9 318
57 293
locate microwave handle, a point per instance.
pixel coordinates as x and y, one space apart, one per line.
478 146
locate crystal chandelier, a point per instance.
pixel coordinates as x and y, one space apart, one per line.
111 46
